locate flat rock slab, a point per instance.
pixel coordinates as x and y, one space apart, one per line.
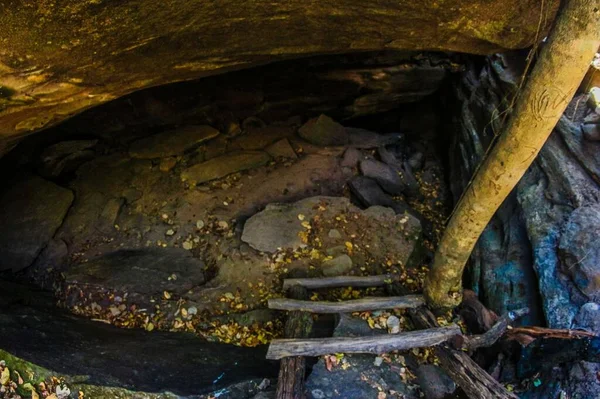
259 138
141 271
134 359
383 233
224 165
281 148
324 131
363 138
171 142
30 213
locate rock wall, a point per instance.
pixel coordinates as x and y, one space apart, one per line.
538 250
60 58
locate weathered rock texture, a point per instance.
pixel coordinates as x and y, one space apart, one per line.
60 58
31 211
103 355
536 252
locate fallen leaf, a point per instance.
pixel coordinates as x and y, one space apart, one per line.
19 379
149 327
5 376
167 295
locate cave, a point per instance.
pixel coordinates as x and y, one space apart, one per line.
143 233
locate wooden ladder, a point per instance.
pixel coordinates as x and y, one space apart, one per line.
296 345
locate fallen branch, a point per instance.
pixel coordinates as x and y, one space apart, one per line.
357 305
541 332
490 337
281 348
339 281
476 383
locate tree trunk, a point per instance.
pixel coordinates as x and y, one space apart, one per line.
556 76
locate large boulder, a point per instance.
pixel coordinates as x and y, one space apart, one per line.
61 58
334 227
85 351
148 271
31 211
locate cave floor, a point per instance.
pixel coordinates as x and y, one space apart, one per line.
132 210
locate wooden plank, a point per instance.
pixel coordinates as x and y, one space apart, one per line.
467 374
290 383
281 348
338 281
356 305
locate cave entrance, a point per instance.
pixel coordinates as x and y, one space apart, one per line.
136 213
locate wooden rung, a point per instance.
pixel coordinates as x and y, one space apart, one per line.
338 281
355 305
281 348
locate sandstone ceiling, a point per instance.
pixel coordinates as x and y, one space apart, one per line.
60 57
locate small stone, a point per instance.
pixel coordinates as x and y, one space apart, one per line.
334 233
187 245
223 224
324 131
378 361
351 158
337 266
591 132
393 325
166 164
192 310
170 232
199 224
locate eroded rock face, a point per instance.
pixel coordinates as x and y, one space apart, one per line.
79 66
31 211
579 250
535 250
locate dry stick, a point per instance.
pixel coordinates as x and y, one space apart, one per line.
541 332
357 305
476 383
490 337
281 348
561 66
339 281
290 384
